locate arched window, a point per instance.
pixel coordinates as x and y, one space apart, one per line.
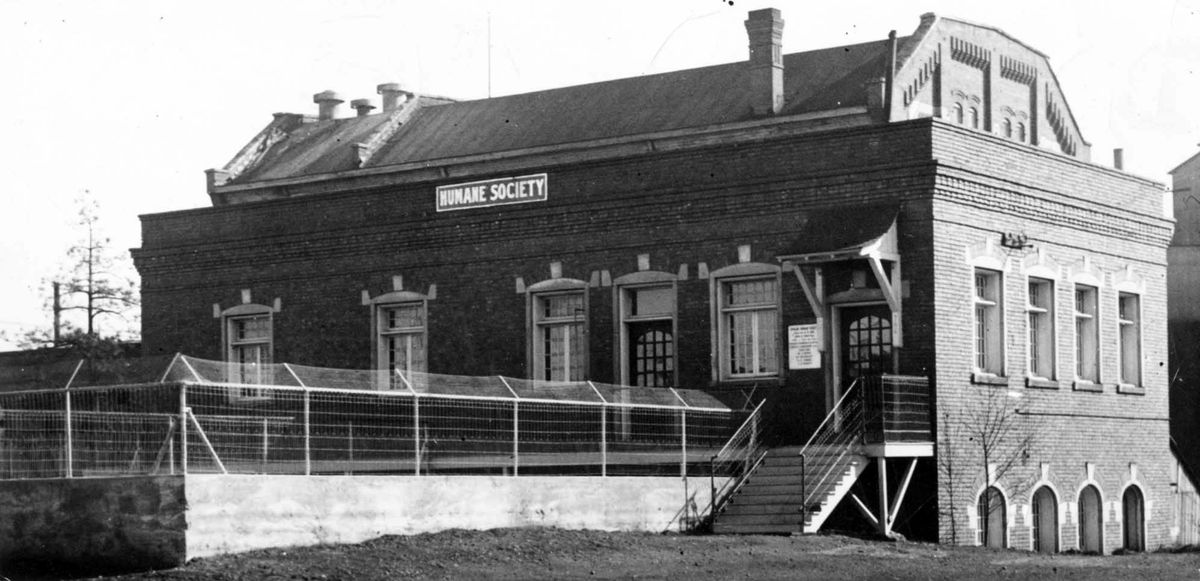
993 525
958 113
1008 128
1091 521
1021 132
1134 511
1045 521
974 118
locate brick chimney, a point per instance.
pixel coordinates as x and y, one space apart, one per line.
327 103
765 29
393 96
362 106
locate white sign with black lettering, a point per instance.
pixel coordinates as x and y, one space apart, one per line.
803 349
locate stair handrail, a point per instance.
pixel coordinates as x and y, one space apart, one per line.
842 440
837 406
751 455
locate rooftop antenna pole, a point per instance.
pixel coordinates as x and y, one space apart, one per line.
489 53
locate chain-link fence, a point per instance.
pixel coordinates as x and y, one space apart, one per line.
203 416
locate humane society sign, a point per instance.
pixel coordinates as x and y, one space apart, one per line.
497 192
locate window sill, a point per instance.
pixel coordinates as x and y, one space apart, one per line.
1131 389
743 382
989 379
1041 383
1085 385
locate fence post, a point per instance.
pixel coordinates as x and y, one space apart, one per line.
69 443
416 435
266 441
516 439
183 442
683 445
307 435
603 439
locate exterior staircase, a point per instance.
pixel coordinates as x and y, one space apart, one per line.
772 499
787 489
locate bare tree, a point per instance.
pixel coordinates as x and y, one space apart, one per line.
989 439
96 285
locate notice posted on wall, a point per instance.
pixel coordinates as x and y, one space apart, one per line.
803 350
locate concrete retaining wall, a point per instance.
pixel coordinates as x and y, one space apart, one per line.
92 524
240 513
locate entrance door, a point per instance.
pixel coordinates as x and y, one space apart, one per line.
866 342
1090 521
651 354
1045 521
1132 504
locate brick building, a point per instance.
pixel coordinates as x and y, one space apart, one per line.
777 228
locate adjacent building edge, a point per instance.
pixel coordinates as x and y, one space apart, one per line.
155 522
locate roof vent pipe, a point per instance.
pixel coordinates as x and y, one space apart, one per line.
362 106
327 103
393 96
1119 158
765 29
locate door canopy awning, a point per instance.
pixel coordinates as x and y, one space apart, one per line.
844 233
848 233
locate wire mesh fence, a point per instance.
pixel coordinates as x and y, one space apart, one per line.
205 417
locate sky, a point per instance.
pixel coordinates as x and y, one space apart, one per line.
132 100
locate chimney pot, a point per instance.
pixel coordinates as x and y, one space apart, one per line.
765 29
393 95
327 103
362 106
1119 158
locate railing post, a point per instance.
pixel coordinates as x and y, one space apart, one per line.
307 434
68 441
712 488
803 492
183 440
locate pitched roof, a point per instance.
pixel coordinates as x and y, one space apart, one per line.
816 80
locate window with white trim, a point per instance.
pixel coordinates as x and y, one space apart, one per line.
989 347
648 332
559 336
1087 334
401 337
1041 328
748 332
248 340
1129 318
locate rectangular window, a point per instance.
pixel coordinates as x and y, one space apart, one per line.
749 328
1041 328
1087 334
989 347
249 355
401 337
559 348
1129 316
648 319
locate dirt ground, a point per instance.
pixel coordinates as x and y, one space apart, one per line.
536 553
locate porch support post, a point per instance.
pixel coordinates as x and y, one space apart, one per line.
901 492
862 509
884 522
891 292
